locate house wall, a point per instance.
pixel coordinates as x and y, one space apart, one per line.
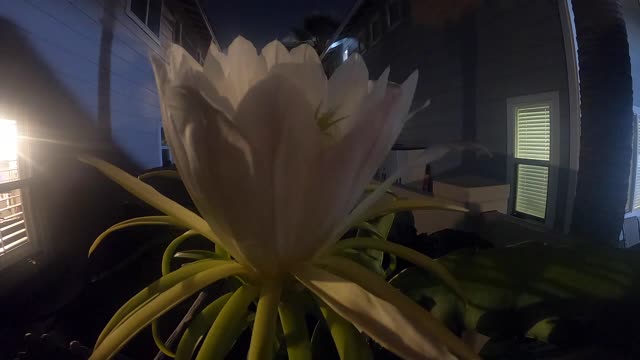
519 51
631 11
116 79
70 73
433 52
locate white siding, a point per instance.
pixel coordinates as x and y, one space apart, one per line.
67 37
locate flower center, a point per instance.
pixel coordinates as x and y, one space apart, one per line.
327 119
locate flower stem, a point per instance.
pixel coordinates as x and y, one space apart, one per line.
228 325
263 333
296 335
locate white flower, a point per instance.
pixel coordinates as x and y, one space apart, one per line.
246 134
276 157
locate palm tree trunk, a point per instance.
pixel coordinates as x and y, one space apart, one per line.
606 104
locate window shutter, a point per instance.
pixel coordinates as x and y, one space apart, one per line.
532 142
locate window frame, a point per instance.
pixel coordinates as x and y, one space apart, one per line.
142 25
547 98
23 183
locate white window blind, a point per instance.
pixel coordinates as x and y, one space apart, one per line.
13 231
532 187
533 132
636 190
532 158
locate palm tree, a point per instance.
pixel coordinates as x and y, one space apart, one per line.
606 105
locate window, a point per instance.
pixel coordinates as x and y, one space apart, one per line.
147 13
394 13
375 29
532 156
13 230
634 181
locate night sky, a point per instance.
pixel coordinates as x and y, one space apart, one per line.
261 21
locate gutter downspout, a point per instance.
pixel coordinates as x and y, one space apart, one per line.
343 24
206 22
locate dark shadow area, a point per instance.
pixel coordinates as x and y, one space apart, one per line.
70 204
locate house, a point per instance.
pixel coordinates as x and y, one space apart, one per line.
76 78
504 74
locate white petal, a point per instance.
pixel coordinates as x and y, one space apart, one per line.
245 66
180 62
275 53
219 57
305 54
358 214
397 330
278 122
184 71
310 78
376 93
213 158
215 72
395 102
213 64
348 86
379 87
357 155
371 84
408 90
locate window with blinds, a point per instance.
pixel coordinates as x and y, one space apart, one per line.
533 132
636 188
532 187
532 159
13 230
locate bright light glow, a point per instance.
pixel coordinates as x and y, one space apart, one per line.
345 55
335 44
8 140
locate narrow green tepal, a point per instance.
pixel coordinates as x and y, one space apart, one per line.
350 343
228 325
294 326
151 291
138 221
162 303
199 327
264 326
